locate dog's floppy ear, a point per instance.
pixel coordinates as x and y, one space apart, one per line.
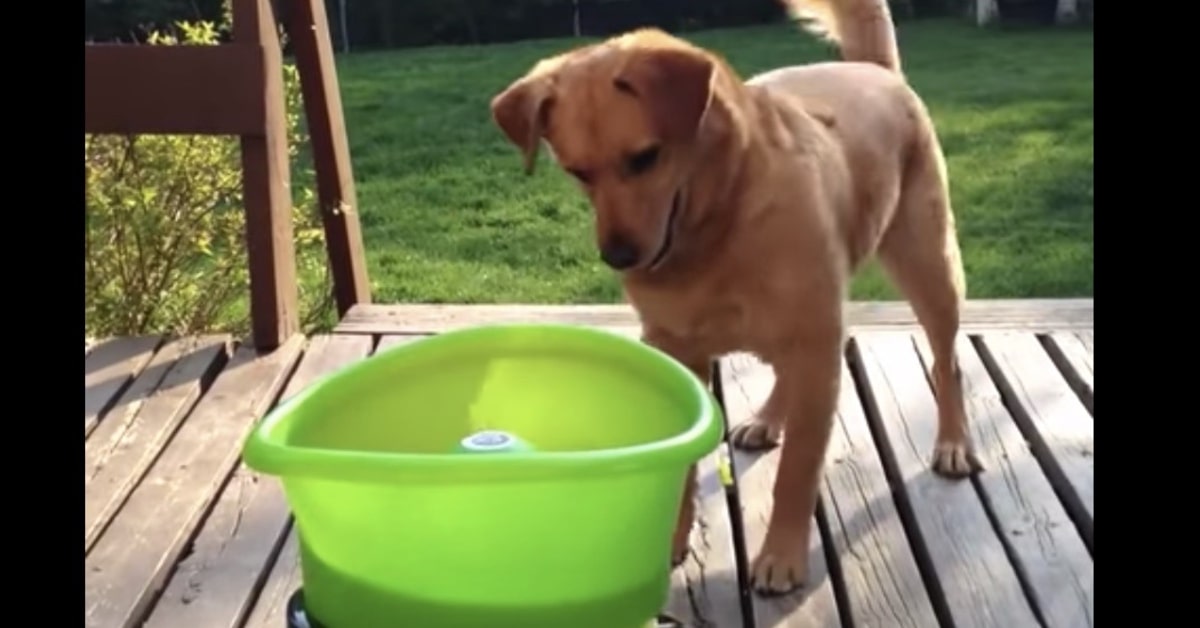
520 111
675 84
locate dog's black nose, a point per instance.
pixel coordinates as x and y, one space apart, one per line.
619 253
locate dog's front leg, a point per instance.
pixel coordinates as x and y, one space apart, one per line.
808 381
701 365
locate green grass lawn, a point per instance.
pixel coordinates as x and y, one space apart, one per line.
448 215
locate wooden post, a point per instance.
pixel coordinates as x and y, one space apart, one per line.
266 188
309 34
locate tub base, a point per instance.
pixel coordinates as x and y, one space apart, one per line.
298 618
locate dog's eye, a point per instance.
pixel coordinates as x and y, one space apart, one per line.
583 175
643 160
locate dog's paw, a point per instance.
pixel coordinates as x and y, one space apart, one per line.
779 570
756 434
955 459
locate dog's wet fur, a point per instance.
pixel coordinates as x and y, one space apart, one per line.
737 211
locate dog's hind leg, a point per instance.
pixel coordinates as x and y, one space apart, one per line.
920 253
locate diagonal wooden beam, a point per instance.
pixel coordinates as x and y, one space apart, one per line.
308 30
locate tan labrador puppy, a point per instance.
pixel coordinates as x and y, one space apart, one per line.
737 212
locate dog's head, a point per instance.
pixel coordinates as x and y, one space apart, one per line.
623 118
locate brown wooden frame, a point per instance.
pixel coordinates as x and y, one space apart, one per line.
237 89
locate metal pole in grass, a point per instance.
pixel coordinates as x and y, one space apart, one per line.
342 25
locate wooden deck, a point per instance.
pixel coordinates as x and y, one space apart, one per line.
178 534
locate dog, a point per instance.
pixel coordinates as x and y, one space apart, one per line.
736 213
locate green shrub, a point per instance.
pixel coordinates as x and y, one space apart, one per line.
165 238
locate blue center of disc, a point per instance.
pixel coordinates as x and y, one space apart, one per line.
490 439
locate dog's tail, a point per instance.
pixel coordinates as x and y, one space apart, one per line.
862 29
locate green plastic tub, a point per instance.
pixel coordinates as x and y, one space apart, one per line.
559 514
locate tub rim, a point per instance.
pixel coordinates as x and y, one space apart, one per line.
265 452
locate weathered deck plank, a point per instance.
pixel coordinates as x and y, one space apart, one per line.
282 581
387 342
747 384
122 447
1087 337
908 548
1029 314
1058 427
883 582
975 583
215 584
1072 354
1055 564
131 560
108 368
704 589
